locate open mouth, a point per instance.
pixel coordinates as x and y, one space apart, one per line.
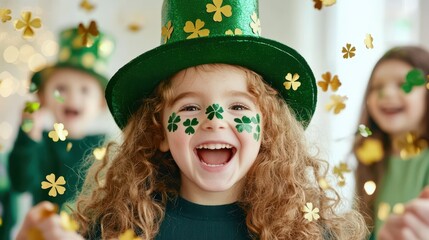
71 112
216 154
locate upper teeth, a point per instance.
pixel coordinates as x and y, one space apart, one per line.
214 146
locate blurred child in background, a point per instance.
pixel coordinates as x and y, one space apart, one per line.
396 157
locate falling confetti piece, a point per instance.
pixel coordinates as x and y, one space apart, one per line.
68 223
33 87
410 146
1 221
371 151
368 41
31 107
328 2
27 125
89 34
54 185
398 209
58 97
59 133
27 24
328 81
292 81
318 4
323 183
134 27
128 235
383 211
69 146
5 14
364 130
369 187
337 103
99 153
349 51
339 172
87 6
310 213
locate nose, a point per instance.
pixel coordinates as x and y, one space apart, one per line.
213 125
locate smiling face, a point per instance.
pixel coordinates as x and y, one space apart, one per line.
83 99
213 129
394 111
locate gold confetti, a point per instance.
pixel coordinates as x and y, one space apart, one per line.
99 153
68 223
339 171
1 148
349 51
134 27
59 133
54 185
1 221
399 209
328 81
196 29
166 31
310 213
323 183
337 103
69 146
318 4
219 10
368 41
87 6
369 187
128 235
292 81
383 211
328 2
371 151
4 14
27 24
89 34
255 24
410 146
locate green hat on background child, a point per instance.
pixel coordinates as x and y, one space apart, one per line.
91 57
196 32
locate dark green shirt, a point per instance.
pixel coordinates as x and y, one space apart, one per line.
403 181
30 162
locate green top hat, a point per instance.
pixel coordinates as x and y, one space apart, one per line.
91 57
196 32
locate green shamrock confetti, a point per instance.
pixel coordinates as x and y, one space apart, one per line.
189 126
214 110
58 96
31 107
27 125
256 120
243 124
33 87
172 122
364 131
415 77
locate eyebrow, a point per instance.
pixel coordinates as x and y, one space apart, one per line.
231 93
184 95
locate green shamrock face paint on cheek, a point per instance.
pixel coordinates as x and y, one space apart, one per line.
189 124
173 120
214 110
245 124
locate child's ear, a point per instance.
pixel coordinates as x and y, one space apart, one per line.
163 146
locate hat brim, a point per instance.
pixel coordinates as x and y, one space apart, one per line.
272 60
40 76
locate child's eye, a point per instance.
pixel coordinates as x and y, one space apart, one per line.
189 108
238 107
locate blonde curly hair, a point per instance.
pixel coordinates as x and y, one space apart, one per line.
130 189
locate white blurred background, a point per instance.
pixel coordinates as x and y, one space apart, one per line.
318 35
